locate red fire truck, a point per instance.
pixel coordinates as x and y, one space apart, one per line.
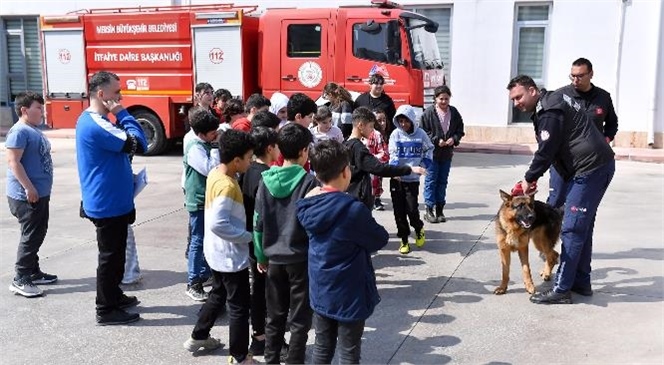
160 53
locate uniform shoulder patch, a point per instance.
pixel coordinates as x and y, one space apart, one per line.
544 135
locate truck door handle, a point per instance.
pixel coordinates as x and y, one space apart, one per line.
289 78
354 78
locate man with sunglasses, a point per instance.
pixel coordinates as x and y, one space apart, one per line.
599 108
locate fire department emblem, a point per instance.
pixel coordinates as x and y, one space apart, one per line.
216 55
64 56
310 74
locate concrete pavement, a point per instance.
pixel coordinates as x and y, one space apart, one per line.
437 302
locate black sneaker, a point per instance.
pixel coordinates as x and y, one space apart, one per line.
196 292
551 297
208 282
257 347
127 301
585 291
378 205
25 287
41 277
115 317
283 355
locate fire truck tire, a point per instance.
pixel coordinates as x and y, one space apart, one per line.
154 132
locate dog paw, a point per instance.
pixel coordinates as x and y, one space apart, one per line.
545 276
499 291
530 289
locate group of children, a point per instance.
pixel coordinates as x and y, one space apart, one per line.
290 207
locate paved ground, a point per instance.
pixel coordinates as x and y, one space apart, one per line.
437 303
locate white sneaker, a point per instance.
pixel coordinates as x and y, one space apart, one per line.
25 287
209 343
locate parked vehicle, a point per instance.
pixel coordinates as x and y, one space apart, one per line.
160 53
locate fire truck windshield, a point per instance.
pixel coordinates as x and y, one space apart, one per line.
424 47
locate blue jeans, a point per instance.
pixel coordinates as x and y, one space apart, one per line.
581 203
558 188
132 271
197 268
435 183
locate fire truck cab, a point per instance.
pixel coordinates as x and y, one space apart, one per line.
346 46
161 53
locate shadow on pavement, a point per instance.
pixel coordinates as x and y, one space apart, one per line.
464 205
152 279
180 315
424 348
648 253
629 290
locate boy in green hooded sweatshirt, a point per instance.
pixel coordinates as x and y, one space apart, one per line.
280 240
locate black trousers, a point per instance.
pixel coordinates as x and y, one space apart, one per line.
33 219
406 207
231 287
349 334
287 289
112 244
258 308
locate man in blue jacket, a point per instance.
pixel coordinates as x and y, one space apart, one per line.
107 187
342 235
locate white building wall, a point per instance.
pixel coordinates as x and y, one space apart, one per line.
638 69
579 35
482 59
482 51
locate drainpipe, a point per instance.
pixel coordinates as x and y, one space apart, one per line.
621 35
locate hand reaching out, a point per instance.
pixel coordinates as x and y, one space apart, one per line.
419 170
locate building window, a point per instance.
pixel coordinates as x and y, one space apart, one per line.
532 22
304 40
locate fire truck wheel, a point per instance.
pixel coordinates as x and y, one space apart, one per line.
154 132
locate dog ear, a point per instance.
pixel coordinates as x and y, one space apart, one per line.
505 196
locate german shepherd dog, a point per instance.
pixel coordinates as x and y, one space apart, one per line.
521 219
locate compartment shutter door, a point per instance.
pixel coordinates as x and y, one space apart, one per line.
15 57
218 57
33 55
65 62
23 55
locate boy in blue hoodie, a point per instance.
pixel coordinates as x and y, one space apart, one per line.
280 239
410 145
342 235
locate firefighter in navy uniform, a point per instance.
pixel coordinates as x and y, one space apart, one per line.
599 108
568 140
